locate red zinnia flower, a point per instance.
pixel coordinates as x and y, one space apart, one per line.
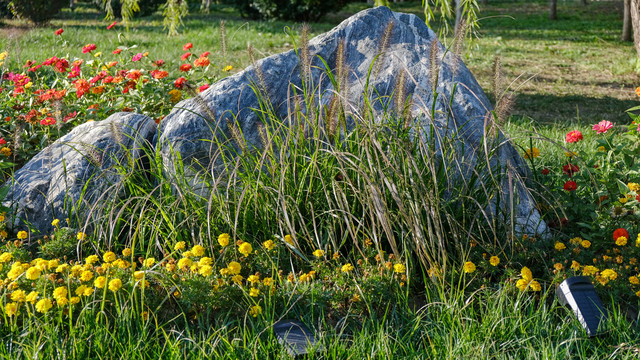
158 62
205 54
202 62
187 46
134 75
570 169
117 51
185 56
203 87
70 116
180 82
59 32
619 233
545 171
75 72
570 185
159 74
48 121
112 25
2 141
185 67
88 48
82 86
574 136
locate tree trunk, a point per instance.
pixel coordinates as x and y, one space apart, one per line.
627 31
635 21
552 9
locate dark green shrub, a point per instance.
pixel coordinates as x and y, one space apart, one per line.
38 11
5 13
296 10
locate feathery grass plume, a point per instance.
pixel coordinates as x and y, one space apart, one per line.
262 85
399 94
208 113
382 49
504 107
116 131
497 79
263 136
331 117
17 136
434 64
223 42
458 43
236 135
57 113
305 56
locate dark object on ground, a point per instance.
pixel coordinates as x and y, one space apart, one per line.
579 294
39 11
295 336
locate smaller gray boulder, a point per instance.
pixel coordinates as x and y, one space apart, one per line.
77 173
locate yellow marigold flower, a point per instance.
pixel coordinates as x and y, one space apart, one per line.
494 261
570 154
601 148
267 281
184 263
86 275
100 282
62 268
399 268
197 250
11 309
228 68
586 244
126 252
257 310
179 246
43 305
522 284
33 273
318 253
532 153
288 239
62 301
634 280
223 239
245 249
5 151
187 254
638 293
206 270
6 257
609 274
637 241
589 270
623 200
115 284
59 292
621 241
347 267
32 297
304 278
81 289
469 267
635 187
254 292
619 259
269 245
254 279
535 286
575 240
558 266
526 273
176 95
237 279
225 271
22 235
138 275
74 300
3 234
109 256
149 262
234 268
204 261
560 246
81 236
55 223
18 296
91 259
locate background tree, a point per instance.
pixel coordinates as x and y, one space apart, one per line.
635 20
463 11
627 30
553 13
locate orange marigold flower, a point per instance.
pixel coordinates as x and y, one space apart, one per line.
201 62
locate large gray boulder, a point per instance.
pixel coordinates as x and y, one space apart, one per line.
405 45
78 173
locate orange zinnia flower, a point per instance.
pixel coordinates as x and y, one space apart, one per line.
202 62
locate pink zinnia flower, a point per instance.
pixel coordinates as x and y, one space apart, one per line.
602 127
88 48
574 136
136 57
59 32
112 25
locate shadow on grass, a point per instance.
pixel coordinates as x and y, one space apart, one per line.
549 109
